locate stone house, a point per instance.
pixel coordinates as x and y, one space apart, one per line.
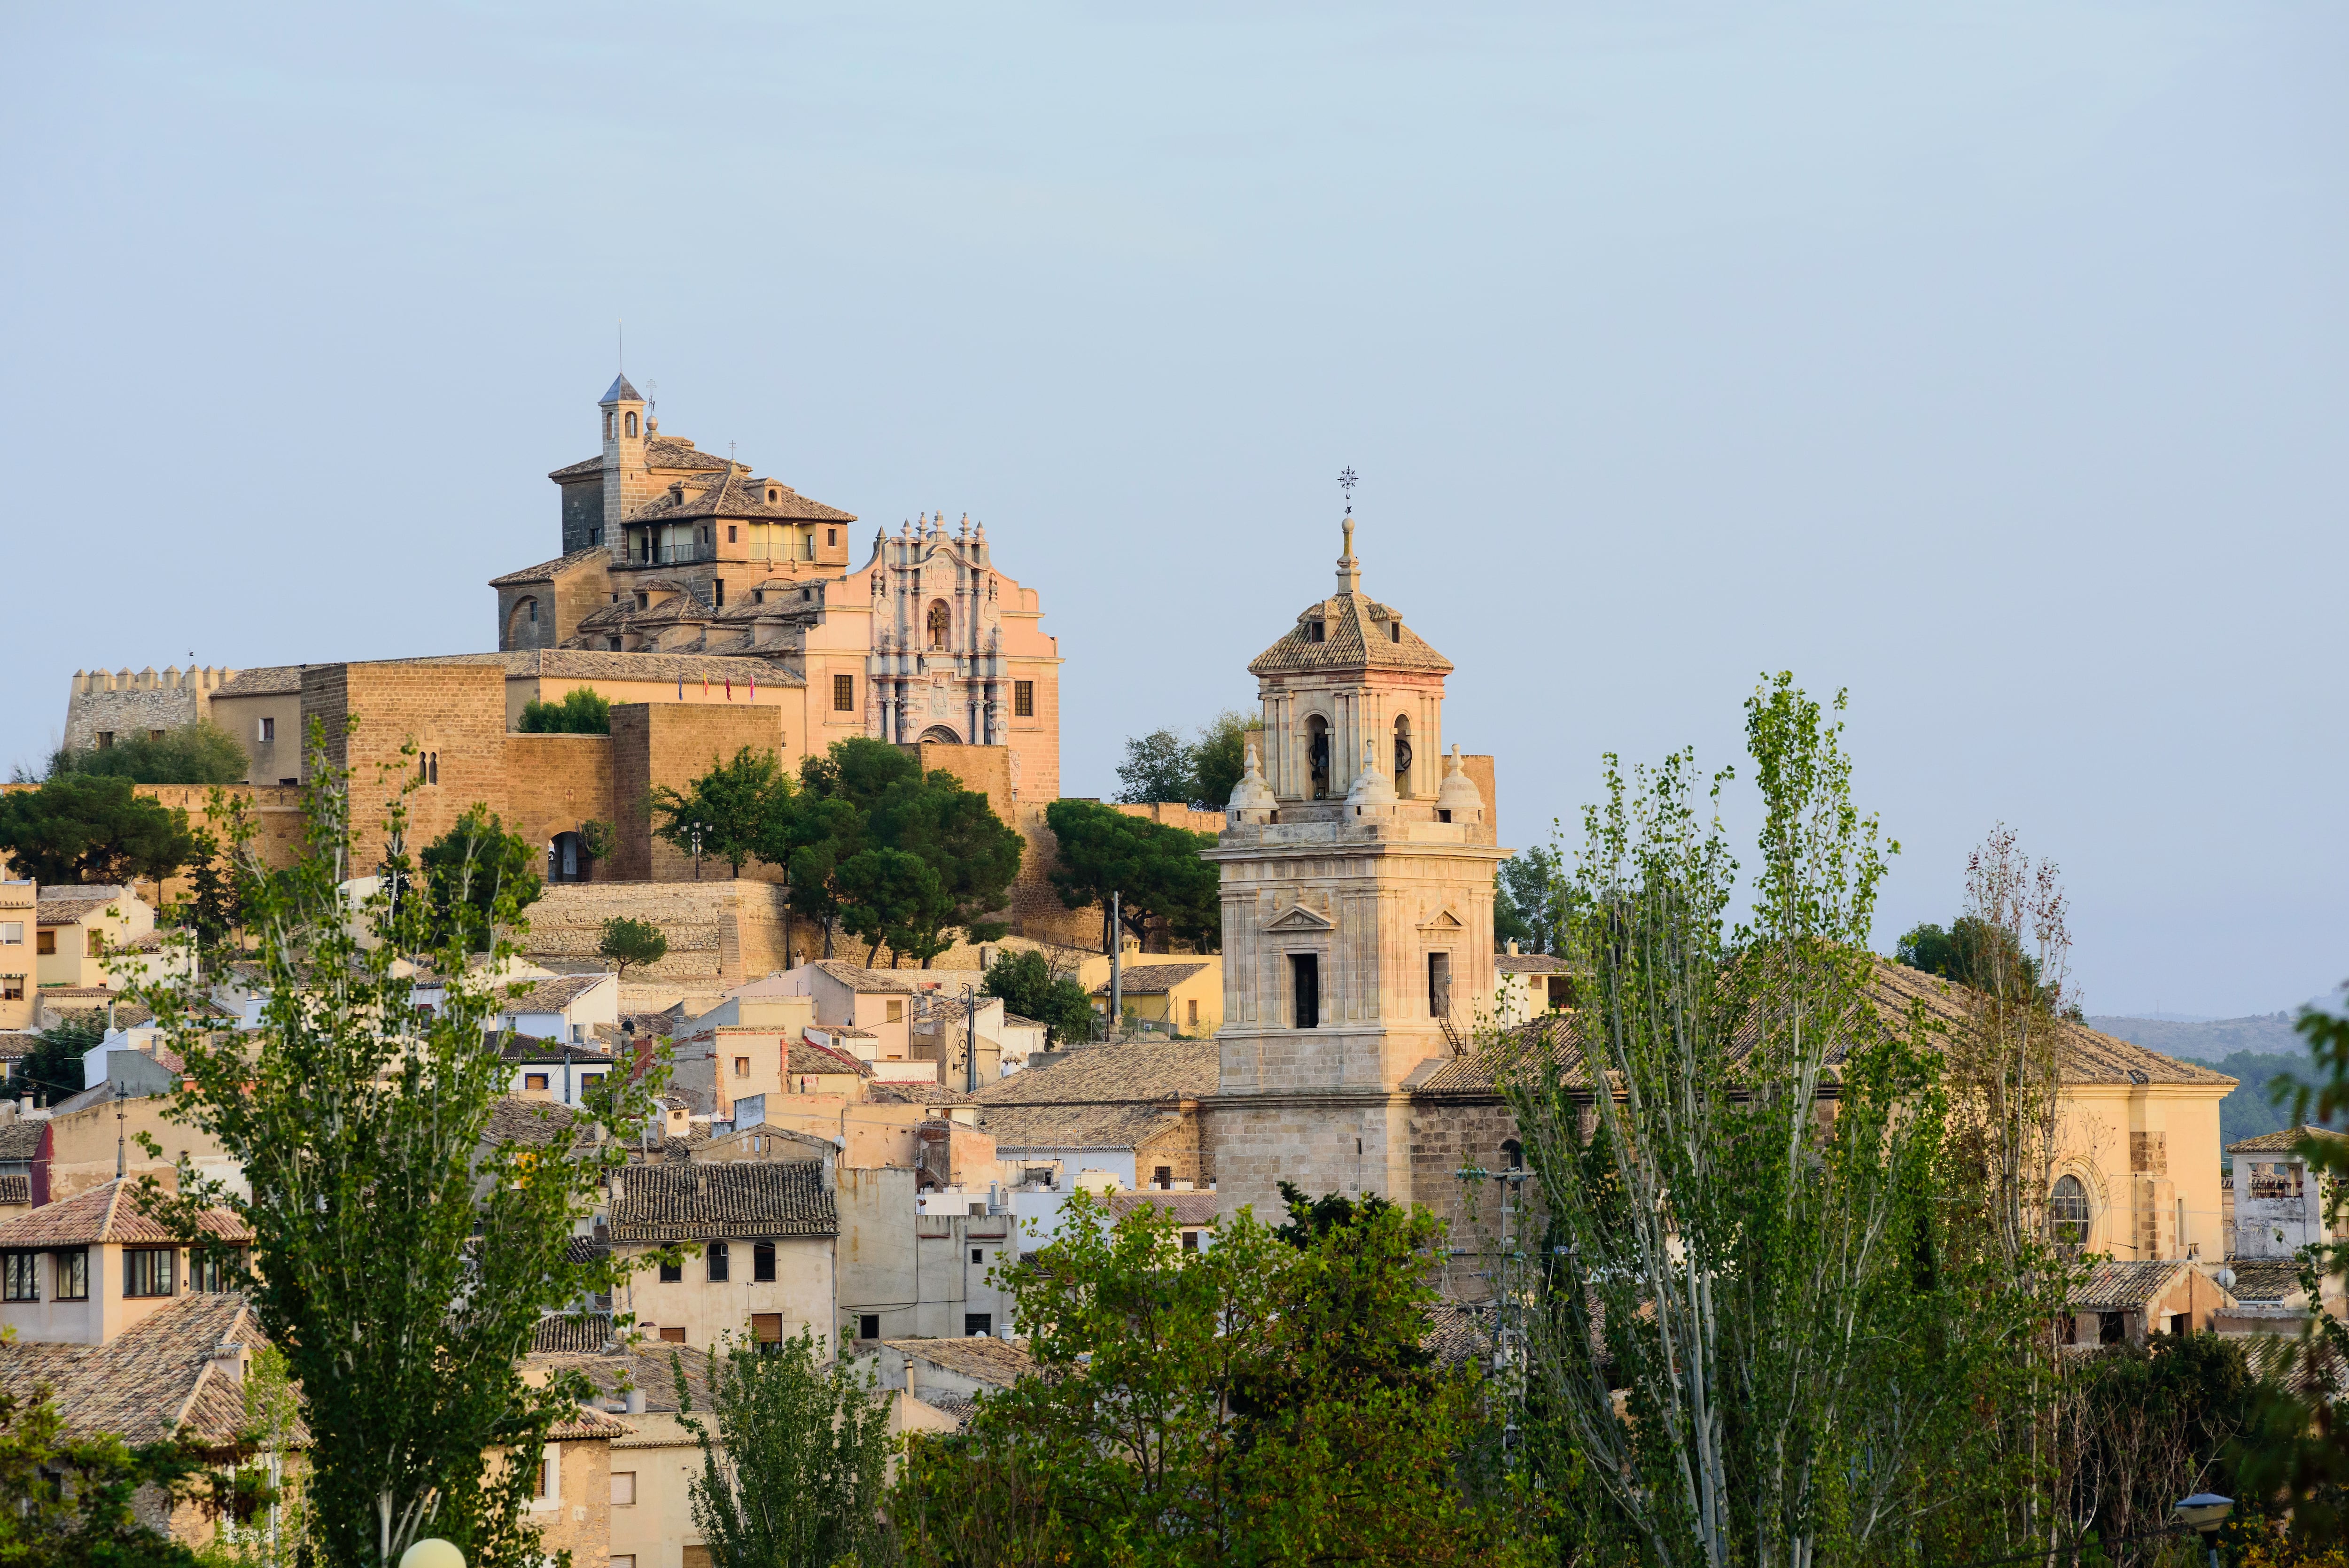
554 1070
2124 1302
754 1239
904 1272
88 1268
2278 1201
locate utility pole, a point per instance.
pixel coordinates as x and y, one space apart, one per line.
970 1041
1116 967
121 1139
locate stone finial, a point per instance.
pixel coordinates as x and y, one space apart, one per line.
1252 798
1349 571
1459 795
1371 785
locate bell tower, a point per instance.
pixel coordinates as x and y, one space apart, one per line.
1357 908
627 484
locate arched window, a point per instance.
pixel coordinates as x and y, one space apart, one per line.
1403 754
1513 1154
608 427
1317 754
941 623
2067 1207
632 423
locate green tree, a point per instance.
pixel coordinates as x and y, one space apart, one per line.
67 1502
793 1475
889 898
1154 867
197 753
1766 1341
401 1256
729 807
626 941
581 712
1528 905
1255 1402
213 909
53 1068
1219 759
1029 987
1157 767
473 870
85 828
973 853
859 769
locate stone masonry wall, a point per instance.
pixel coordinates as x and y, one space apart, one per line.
455 714
724 931
668 745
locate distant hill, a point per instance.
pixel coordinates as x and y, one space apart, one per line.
2247 1111
2209 1040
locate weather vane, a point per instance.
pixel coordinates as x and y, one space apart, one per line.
1346 483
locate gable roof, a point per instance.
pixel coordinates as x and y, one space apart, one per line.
1358 632
998 1362
857 977
2112 1286
268 680
155 1377
672 452
614 1368
2265 1280
712 1203
1527 963
1152 979
109 1211
2281 1141
1100 1097
533 1123
1185 1208
737 494
555 993
70 905
548 570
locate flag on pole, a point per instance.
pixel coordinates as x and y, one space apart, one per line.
729 689
754 688
680 688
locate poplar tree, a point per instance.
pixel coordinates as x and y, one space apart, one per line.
401 1256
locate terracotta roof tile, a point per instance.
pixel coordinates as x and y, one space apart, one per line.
1527 963
649 1365
2265 1280
1100 1097
65 905
2112 1286
150 1379
737 494
1186 1208
267 680
723 1201
998 1362
531 1122
1358 632
1152 979
107 1213
547 571
2283 1141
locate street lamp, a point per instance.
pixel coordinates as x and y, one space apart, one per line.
2205 1512
432 1552
698 827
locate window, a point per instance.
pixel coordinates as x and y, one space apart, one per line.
1305 985
596 533
73 1275
642 598
268 730
1439 984
843 694
1190 1241
1513 1154
534 1080
1163 1177
1193 1017
12 988
632 423
767 1331
1024 700
1395 631
2181 1323
1561 993
762 1263
896 1012
831 536
729 538
151 1271
95 944
717 590
978 1255
106 741
673 1335
717 1261
608 427
978 1324
670 1273
1314 631
23 1277
2112 1327
550 1474
2067 1207
624 1494
612 645
46 942
868 1326
741 1067
12 932
215 1272
532 606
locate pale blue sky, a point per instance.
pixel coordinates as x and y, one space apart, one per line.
1986 359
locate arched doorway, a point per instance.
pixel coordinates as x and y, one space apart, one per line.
567 859
939 734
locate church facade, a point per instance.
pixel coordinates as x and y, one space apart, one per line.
670 549
1357 917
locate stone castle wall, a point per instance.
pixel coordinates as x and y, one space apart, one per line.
125 703
723 930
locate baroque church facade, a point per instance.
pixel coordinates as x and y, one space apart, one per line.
668 549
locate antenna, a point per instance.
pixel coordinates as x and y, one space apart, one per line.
622 328
1346 482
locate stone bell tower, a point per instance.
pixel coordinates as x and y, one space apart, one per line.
1357 908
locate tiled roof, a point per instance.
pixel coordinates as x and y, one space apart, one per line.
719 1201
1455 1335
20 1139
2265 1280
737 494
1187 1208
531 1122
65 905
673 452
1151 979
1356 635
1527 963
583 1332
859 978
156 1376
2083 1055
2112 1286
590 664
647 1364
15 1043
547 571
811 1059
15 1192
521 1049
1099 1097
998 1362
924 1091
268 680
2283 1141
107 1213
586 1424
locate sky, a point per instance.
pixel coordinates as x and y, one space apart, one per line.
1987 362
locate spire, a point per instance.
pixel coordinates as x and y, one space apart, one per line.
621 392
1371 785
1252 795
1349 571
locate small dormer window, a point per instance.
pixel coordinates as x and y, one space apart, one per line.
642 598
1395 631
1315 631
774 495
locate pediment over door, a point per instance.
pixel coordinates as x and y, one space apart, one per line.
1443 923
1298 917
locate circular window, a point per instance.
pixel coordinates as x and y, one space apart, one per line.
2067 1207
